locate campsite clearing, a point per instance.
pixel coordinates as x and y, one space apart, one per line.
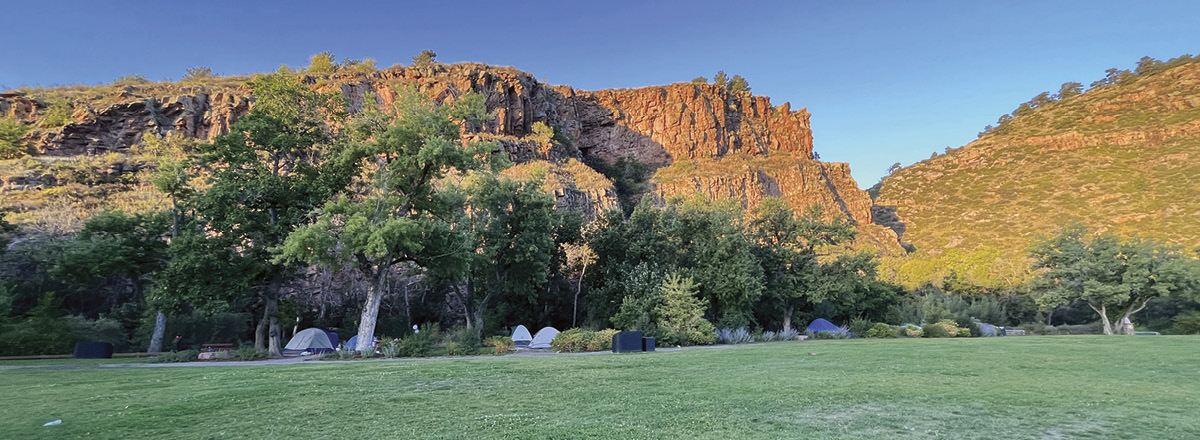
1030 387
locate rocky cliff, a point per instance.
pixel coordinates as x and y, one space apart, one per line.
701 138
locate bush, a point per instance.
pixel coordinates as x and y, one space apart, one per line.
248 353
1187 323
176 356
682 314
12 139
576 340
418 344
859 326
131 80
390 349
57 115
466 341
322 64
502 344
843 332
881 330
197 73
734 336
935 331
910 331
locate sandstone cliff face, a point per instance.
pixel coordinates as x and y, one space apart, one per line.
660 126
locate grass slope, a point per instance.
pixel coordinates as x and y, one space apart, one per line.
1122 158
1031 387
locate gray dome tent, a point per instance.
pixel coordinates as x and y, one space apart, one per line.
312 340
543 337
520 336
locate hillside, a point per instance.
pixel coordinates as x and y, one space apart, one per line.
700 138
1123 158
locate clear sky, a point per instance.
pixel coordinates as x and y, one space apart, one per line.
886 81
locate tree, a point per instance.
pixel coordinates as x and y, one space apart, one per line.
699 80
425 58
895 167
787 249
115 244
393 214
512 226
12 139
578 255
1069 90
720 79
322 64
1109 274
681 313
1149 66
277 164
738 84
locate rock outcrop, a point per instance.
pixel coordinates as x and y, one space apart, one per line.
745 147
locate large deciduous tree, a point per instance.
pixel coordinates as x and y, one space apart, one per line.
276 165
1116 278
392 213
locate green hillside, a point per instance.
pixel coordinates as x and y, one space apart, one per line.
1122 158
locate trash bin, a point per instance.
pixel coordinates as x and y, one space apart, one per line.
648 344
627 342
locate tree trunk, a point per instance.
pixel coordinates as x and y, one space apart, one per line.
366 324
260 333
1103 318
787 318
578 288
160 329
1133 308
274 330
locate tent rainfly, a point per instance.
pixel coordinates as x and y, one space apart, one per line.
543 337
988 329
312 340
352 344
822 325
520 336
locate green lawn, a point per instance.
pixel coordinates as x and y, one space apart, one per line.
1070 387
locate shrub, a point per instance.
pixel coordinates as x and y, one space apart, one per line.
131 80
949 325
248 353
197 73
910 331
601 340
322 64
881 330
789 334
766 336
935 331
418 344
500 343
176 356
57 115
12 139
1188 323
390 349
426 57
466 341
843 332
682 314
859 326
734 336
570 341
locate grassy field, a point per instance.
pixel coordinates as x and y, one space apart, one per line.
1078 387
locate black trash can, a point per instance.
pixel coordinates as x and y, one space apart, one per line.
648 344
627 342
93 350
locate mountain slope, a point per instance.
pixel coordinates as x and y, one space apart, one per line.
1121 158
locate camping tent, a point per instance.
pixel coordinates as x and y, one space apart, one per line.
821 325
333 338
987 329
352 344
543 337
520 336
312 340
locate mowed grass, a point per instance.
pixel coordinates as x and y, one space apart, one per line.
1077 387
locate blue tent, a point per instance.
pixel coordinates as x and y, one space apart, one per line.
987 329
352 344
822 325
333 338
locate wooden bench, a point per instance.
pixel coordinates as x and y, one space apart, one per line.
216 347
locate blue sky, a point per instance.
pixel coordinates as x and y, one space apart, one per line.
886 81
